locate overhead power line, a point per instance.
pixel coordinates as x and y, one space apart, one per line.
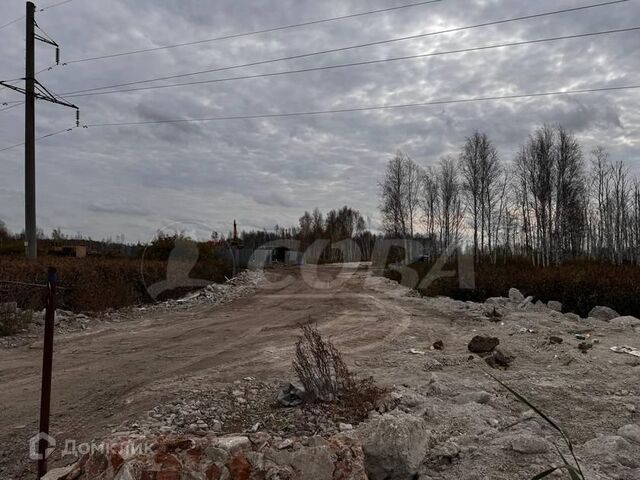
365 109
362 63
38 138
254 32
351 47
41 10
64 2
344 110
12 22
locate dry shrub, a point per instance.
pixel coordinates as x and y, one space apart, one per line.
320 367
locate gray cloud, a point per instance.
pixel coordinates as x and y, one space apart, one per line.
134 180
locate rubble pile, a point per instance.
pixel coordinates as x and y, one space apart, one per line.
246 406
253 457
243 284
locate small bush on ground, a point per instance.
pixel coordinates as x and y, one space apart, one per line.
321 369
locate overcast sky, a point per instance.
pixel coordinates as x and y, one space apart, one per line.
106 181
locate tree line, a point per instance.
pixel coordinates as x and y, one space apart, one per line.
551 203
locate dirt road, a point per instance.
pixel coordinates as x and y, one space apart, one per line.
105 376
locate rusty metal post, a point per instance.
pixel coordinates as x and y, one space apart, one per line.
47 364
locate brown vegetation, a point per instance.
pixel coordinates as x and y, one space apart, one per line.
325 376
94 284
579 285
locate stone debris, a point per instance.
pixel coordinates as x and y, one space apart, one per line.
526 304
292 395
630 433
584 347
573 316
529 444
499 359
483 344
213 458
603 313
555 305
394 446
515 295
625 321
247 406
438 345
243 284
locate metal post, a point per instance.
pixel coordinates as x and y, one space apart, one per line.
31 246
47 364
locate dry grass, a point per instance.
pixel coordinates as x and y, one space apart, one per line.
579 285
321 369
94 284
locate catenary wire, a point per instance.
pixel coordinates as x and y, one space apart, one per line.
377 107
254 32
350 47
356 64
38 138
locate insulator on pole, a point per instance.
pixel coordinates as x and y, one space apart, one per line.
57 55
77 118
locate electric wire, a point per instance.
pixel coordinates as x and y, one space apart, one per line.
351 47
362 63
254 32
371 108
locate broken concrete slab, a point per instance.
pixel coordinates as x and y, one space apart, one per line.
603 313
515 295
394 446
555 305
625 321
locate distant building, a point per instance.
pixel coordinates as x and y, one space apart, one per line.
78 251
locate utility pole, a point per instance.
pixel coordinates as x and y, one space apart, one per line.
30 93
31 245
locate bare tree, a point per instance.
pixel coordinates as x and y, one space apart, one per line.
429 202
400 195
470 170
450 211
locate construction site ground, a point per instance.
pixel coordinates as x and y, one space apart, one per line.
113 374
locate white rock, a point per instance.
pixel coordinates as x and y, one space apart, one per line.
625 321
233 443
58 473
515 295
526 303
573 316
394 446
603 313
630 432
555 305
474 397
529 444
497 301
